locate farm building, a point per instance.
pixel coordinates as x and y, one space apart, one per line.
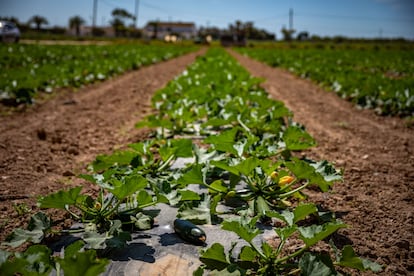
160 30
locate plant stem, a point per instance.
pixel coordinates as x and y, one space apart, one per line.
297 253
284 188
242 124
166 163
294 191
72 213
147 205
209 187
106 214
258 250
279 248
294 272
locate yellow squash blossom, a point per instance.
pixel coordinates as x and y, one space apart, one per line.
287 179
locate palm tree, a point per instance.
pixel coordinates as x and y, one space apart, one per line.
287 33
118 22
76 22
38 21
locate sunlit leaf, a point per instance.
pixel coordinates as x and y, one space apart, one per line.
60 199
315 233
348 258
243 229
297 139
215 257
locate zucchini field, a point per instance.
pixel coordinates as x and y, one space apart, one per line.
376 78
29 69
303 182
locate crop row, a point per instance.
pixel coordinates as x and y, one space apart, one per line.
27 69
242 148
379 79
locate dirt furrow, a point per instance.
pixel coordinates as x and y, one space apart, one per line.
377 155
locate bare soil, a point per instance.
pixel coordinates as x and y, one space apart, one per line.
42 149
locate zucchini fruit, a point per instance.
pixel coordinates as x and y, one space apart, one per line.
189 232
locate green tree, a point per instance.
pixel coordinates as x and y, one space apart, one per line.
287 34
118 23
75 22
38 21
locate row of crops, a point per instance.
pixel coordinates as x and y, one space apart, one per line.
242 146
29 69
380 79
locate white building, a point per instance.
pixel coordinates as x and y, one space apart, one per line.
160 30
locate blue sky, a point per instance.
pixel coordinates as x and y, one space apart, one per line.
352 18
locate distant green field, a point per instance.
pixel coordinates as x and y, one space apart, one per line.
28 69
371 76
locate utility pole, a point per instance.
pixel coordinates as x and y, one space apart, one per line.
290 19
136 13
95 10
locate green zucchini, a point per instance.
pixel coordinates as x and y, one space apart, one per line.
189 232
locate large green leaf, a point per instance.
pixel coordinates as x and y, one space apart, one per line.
315 233
183 147
4 255
247 254
285 232
297 139
350 259
36 260
187 195
248 165
303 170
114 238
85 263
60 199
224 166
176 147
327 170
242 228
304 210
193 176
224 141
215 257
38 225
196 211
298 214
312 264
103 162
217 186
144 198
130 185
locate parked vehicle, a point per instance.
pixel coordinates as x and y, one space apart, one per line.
9 32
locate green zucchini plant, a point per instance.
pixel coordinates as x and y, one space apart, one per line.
240 148
260 258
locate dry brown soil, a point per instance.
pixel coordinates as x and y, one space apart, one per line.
43 149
